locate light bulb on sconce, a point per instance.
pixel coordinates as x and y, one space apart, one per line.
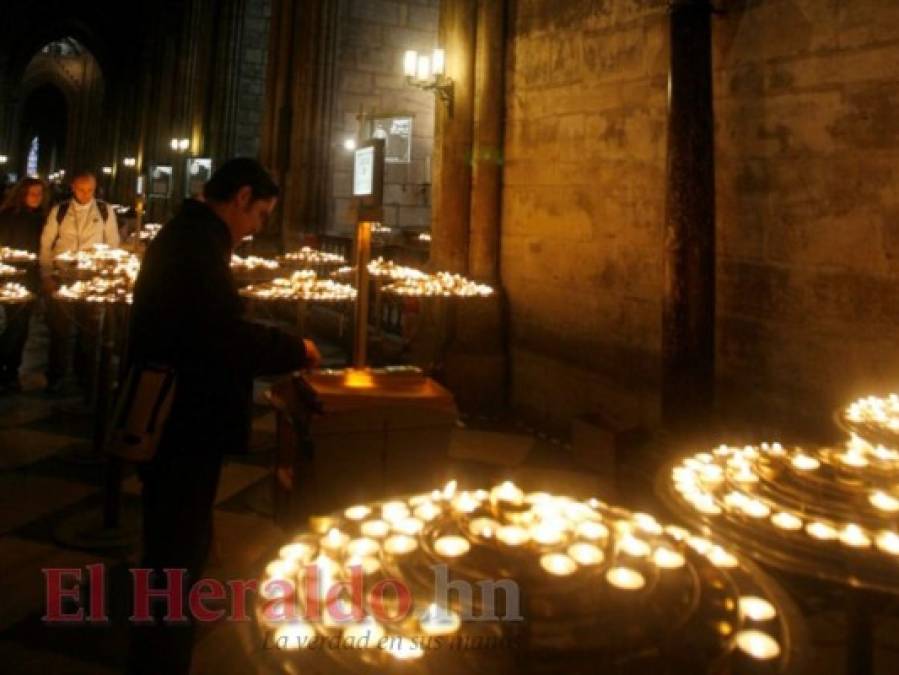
438 62
423 71
349 144
130 162
429 73
3 159
410 63
107 170
179 144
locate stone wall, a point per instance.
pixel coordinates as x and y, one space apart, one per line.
374 34
583 206
251 77
807 94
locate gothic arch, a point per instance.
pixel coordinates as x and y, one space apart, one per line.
70 68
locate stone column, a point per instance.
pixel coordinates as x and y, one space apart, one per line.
688 313
489 118
451 190
468 197
300 87
224 93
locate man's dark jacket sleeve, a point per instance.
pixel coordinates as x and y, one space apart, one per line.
187 313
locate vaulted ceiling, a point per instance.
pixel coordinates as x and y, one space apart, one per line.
113 30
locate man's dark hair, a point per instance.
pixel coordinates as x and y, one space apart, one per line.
235 174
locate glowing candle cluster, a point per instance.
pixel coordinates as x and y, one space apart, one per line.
9 270
99 259
441 284
312 257
875 419
380 268
303 285
99 290
833 512
252 263
13 255
14 293
554 547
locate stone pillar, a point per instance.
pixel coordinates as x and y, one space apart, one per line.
451 190
688 313
300 87
489 118
470 175
224 92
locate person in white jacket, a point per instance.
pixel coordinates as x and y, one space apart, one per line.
72 225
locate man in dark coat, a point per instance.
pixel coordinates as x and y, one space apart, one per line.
187 314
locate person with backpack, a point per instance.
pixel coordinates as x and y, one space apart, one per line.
72 225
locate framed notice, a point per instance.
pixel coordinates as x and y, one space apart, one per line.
396 132
198 170
160 183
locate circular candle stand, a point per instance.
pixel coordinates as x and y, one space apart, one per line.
830 514
108 300
548 583
299 290
306 258
12 293
9 271
381 273
254 270
98 261
440 284
439 291
12 256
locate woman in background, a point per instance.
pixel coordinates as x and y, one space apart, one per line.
22 217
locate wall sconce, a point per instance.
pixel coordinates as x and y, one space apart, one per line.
349 144
179 144
107 170
3 159
428 73
129 162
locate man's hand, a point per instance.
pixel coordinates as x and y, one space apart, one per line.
48 283
313 356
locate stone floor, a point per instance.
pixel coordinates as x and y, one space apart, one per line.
48 489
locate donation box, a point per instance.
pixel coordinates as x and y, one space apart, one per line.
352 436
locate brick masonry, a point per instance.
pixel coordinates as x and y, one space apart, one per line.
583 203
806 94
373 35
251 77
807 150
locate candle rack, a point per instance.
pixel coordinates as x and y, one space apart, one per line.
591 584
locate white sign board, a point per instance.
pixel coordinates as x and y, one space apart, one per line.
364 172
